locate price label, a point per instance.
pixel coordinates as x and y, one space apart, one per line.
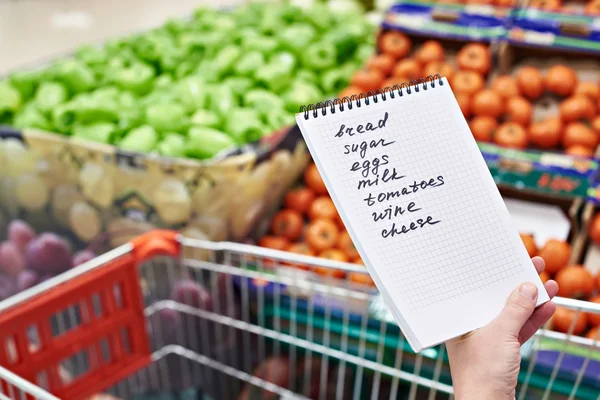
543 38
557 160
414 22
480 9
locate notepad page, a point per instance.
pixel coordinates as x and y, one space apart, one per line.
423 210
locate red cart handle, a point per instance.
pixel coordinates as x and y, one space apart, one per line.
119 326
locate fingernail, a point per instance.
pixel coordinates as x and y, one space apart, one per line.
528 290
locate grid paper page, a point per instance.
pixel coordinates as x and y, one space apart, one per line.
427 218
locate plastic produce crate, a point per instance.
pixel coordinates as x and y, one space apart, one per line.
165 314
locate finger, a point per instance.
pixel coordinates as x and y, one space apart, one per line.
536 321
518 309
539 264
551 288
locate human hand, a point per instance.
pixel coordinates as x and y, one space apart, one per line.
485 363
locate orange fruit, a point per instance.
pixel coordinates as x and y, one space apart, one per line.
594 229
345 244
511 135
556 254
530 82
593 333
544 276
596 125
367 79
594 318
561 80
589 89
483 128
464 102
361 279
350 91
274 242
579 151
574 282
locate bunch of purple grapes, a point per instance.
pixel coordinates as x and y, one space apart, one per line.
27 258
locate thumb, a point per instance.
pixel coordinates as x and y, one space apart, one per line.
518 309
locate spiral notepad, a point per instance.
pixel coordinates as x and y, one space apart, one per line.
420 204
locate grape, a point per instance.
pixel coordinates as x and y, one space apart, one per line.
32 192
165 325
12 261
191 293
85 221
26 279
20 233
7 287
83 256
172 201
48 253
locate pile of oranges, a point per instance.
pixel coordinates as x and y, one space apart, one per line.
501 112
309 224
574 281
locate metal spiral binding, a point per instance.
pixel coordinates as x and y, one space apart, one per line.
357 100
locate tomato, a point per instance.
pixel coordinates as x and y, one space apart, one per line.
556 254
361 279
467 82
530 82
544 276
335 255
349 91
322 207
505 86
588 88
577 133
529 243
561 80
358 261
574 282
287 223
274 242
299 199
313 179
593 7
483 128
566 320
393 81
594 229
579 151
548 5
577 107
322 234
511 135
383 63
546 134
345 244
519 110
488 103
367 79
474 57
596 125
594 318
464 102
430 51
302 249
444 69
408 69
396 44
594 333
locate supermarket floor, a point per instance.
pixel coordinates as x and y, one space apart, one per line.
33 31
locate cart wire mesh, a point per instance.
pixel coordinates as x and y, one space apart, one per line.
233 321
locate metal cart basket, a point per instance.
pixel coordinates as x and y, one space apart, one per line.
168 317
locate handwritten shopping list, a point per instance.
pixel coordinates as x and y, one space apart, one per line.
376 172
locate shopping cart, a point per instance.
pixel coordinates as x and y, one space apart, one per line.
168 317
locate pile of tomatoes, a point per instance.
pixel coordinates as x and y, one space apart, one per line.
574 281
501 112
309 224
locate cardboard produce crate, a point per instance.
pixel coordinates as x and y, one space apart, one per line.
97 191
